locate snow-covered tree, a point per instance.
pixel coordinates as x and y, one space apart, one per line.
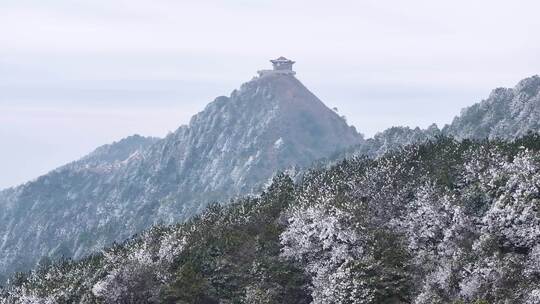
514 215
322 239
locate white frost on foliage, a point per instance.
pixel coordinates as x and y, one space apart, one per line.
533 297
139 274
532 266
316 231
342 286
427 219
24 296
171 246
323 239
485 275
514 215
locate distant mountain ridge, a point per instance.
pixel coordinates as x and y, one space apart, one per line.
233 147
506 114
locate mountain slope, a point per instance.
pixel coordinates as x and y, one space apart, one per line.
506 114
232 147
37 216
441 222
392 139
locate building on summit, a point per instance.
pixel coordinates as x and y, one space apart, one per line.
282 66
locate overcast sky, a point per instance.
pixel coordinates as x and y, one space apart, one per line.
78 74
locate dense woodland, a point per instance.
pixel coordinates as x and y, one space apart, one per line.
439 222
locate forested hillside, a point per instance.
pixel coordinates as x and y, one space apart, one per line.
506 114
440 222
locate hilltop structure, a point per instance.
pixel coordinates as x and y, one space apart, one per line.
281 65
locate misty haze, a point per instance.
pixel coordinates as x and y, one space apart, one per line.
269 152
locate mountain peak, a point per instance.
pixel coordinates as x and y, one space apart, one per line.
245 126
233 147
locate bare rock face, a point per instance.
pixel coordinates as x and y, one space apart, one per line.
233 147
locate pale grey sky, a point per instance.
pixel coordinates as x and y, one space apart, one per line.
78 74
